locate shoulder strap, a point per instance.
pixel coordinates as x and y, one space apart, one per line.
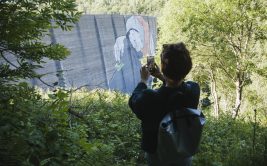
171 107
175 95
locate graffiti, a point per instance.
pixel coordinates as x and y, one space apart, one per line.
105 53
128 51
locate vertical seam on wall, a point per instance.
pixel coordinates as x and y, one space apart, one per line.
116 35
101 52
80 38
129 51
82 45
113 26
59 67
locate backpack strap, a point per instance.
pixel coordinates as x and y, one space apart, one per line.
170 105
172 108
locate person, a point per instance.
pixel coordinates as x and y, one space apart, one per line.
150 105
128 50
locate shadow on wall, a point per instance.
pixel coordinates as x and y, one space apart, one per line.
105 52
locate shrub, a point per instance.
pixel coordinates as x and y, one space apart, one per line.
98 128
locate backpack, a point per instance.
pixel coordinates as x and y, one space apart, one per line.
179 134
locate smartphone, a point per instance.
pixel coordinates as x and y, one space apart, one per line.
150 63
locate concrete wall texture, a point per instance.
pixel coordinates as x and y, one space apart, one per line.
105 52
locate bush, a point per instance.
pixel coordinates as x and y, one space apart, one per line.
36 131
229 142
112 125
98 128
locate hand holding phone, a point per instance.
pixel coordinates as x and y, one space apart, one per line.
150 63
153 68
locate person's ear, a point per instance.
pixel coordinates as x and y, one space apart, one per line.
165 46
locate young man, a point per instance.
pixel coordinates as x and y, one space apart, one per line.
150 106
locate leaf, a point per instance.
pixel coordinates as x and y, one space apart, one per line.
45 161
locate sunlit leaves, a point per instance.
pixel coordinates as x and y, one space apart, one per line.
23 26
227 37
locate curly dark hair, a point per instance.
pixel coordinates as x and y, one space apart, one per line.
176 61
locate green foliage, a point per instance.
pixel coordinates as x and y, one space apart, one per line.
41 130
36 131
23 25
102 130
227 40
145 7
111 125
230 142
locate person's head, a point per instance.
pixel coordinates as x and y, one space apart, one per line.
175 61
134 37
135 32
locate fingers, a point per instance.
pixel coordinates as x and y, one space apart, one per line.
144 68
144 73
154 69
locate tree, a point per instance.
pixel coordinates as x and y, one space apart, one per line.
34 130
23 25
147 7
229 35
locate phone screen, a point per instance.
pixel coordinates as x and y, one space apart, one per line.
150 62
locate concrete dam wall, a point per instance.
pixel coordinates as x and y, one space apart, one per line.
105 52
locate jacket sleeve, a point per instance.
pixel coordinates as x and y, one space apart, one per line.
139 100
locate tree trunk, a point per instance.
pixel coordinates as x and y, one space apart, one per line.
214 94
238 90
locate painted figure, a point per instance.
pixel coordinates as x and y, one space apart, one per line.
128 50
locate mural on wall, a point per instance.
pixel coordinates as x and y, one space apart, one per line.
128 51
105 53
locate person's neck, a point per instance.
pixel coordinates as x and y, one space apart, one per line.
173 84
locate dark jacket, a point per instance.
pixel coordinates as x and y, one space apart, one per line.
150 106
